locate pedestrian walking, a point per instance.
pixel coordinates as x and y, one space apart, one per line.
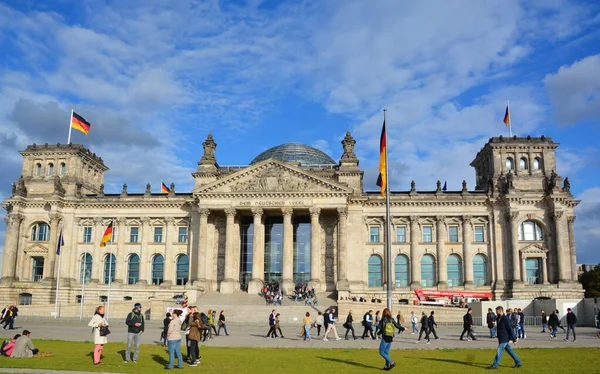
222 324
135 329
491 322
468 326
96 323
505 334
571 321
326 319
424 328
514 320
544 321
413 321
367 323
319 323
278 326
331 326
307 323
174 340
432 325
387 327
553 323
400 320
272 329
376 324
522 333
348 325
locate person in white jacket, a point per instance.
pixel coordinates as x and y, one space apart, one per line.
99 341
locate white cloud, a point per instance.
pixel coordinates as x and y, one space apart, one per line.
587 226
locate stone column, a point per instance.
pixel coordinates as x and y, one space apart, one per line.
572 250
513 217
50 265
415 264
199 259
543 277
11 246
97 261
530 162
258 252
74 253
524 269
315 249
563 259
119 251
342 281
228 284
467 231
288 251
170 238
144 260
442 268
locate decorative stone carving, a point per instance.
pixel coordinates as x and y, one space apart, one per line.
413 187
348 144
414 218
467 219
512 216
230 212
14 189
204 212
101 193
464 186
145 221
571 219
58 187
441 219
502 184
172 191
557 215
170 221
148 190
124 191
314 211
257 212
287 211
20 189
13 219
438 186
209 145
78 189
566 185
274 179
54 218
509 180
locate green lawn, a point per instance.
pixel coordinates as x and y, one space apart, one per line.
77 356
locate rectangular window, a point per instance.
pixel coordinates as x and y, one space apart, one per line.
427 234
158 231
479 237
38 269
87 234
453 234
183 233
401 234
134 234
374 234
532 266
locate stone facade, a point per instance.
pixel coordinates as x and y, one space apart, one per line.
513 234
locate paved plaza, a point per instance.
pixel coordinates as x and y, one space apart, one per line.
254 336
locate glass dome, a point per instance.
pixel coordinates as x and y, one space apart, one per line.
295 152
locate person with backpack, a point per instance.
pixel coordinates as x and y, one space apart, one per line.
368 325
387 327
135 329
205 329
432 325
491 323
348 325
468 326
553 322
424 328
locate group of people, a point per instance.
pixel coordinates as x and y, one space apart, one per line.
20 346
272 294
8 315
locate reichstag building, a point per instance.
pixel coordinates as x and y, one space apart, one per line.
293 215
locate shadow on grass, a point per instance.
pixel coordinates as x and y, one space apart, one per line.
160 360
352 363
466 363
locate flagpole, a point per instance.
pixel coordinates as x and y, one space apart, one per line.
83 285
58 273
70 127
388 234
112 223
509 120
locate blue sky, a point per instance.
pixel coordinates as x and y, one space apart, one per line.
155 77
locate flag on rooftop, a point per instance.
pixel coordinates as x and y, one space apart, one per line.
164 188
79 123
382 178
507 117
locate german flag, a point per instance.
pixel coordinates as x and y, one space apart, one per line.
107 235
382 179
507 117
164 188
79 123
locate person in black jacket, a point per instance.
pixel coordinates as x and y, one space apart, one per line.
553 322
505 334
468 326
432 325
424 328
368 324
163 334
491 323
571 321
272 330
348 325
135 329
544 321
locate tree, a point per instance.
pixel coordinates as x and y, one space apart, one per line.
591 282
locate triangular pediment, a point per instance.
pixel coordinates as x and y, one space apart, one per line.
273 176
36 250
534 249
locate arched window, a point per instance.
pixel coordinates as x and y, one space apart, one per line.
40 232
63 169
428 271
38 169
523 164
183 269
479 270
158 269
509 163
110 261
50 169
133 269
454 271
530 231
537 163
401 271
85 274
375 271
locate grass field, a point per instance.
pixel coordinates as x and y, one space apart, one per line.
62 355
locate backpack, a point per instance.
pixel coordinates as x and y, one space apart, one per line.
389 328
4 344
